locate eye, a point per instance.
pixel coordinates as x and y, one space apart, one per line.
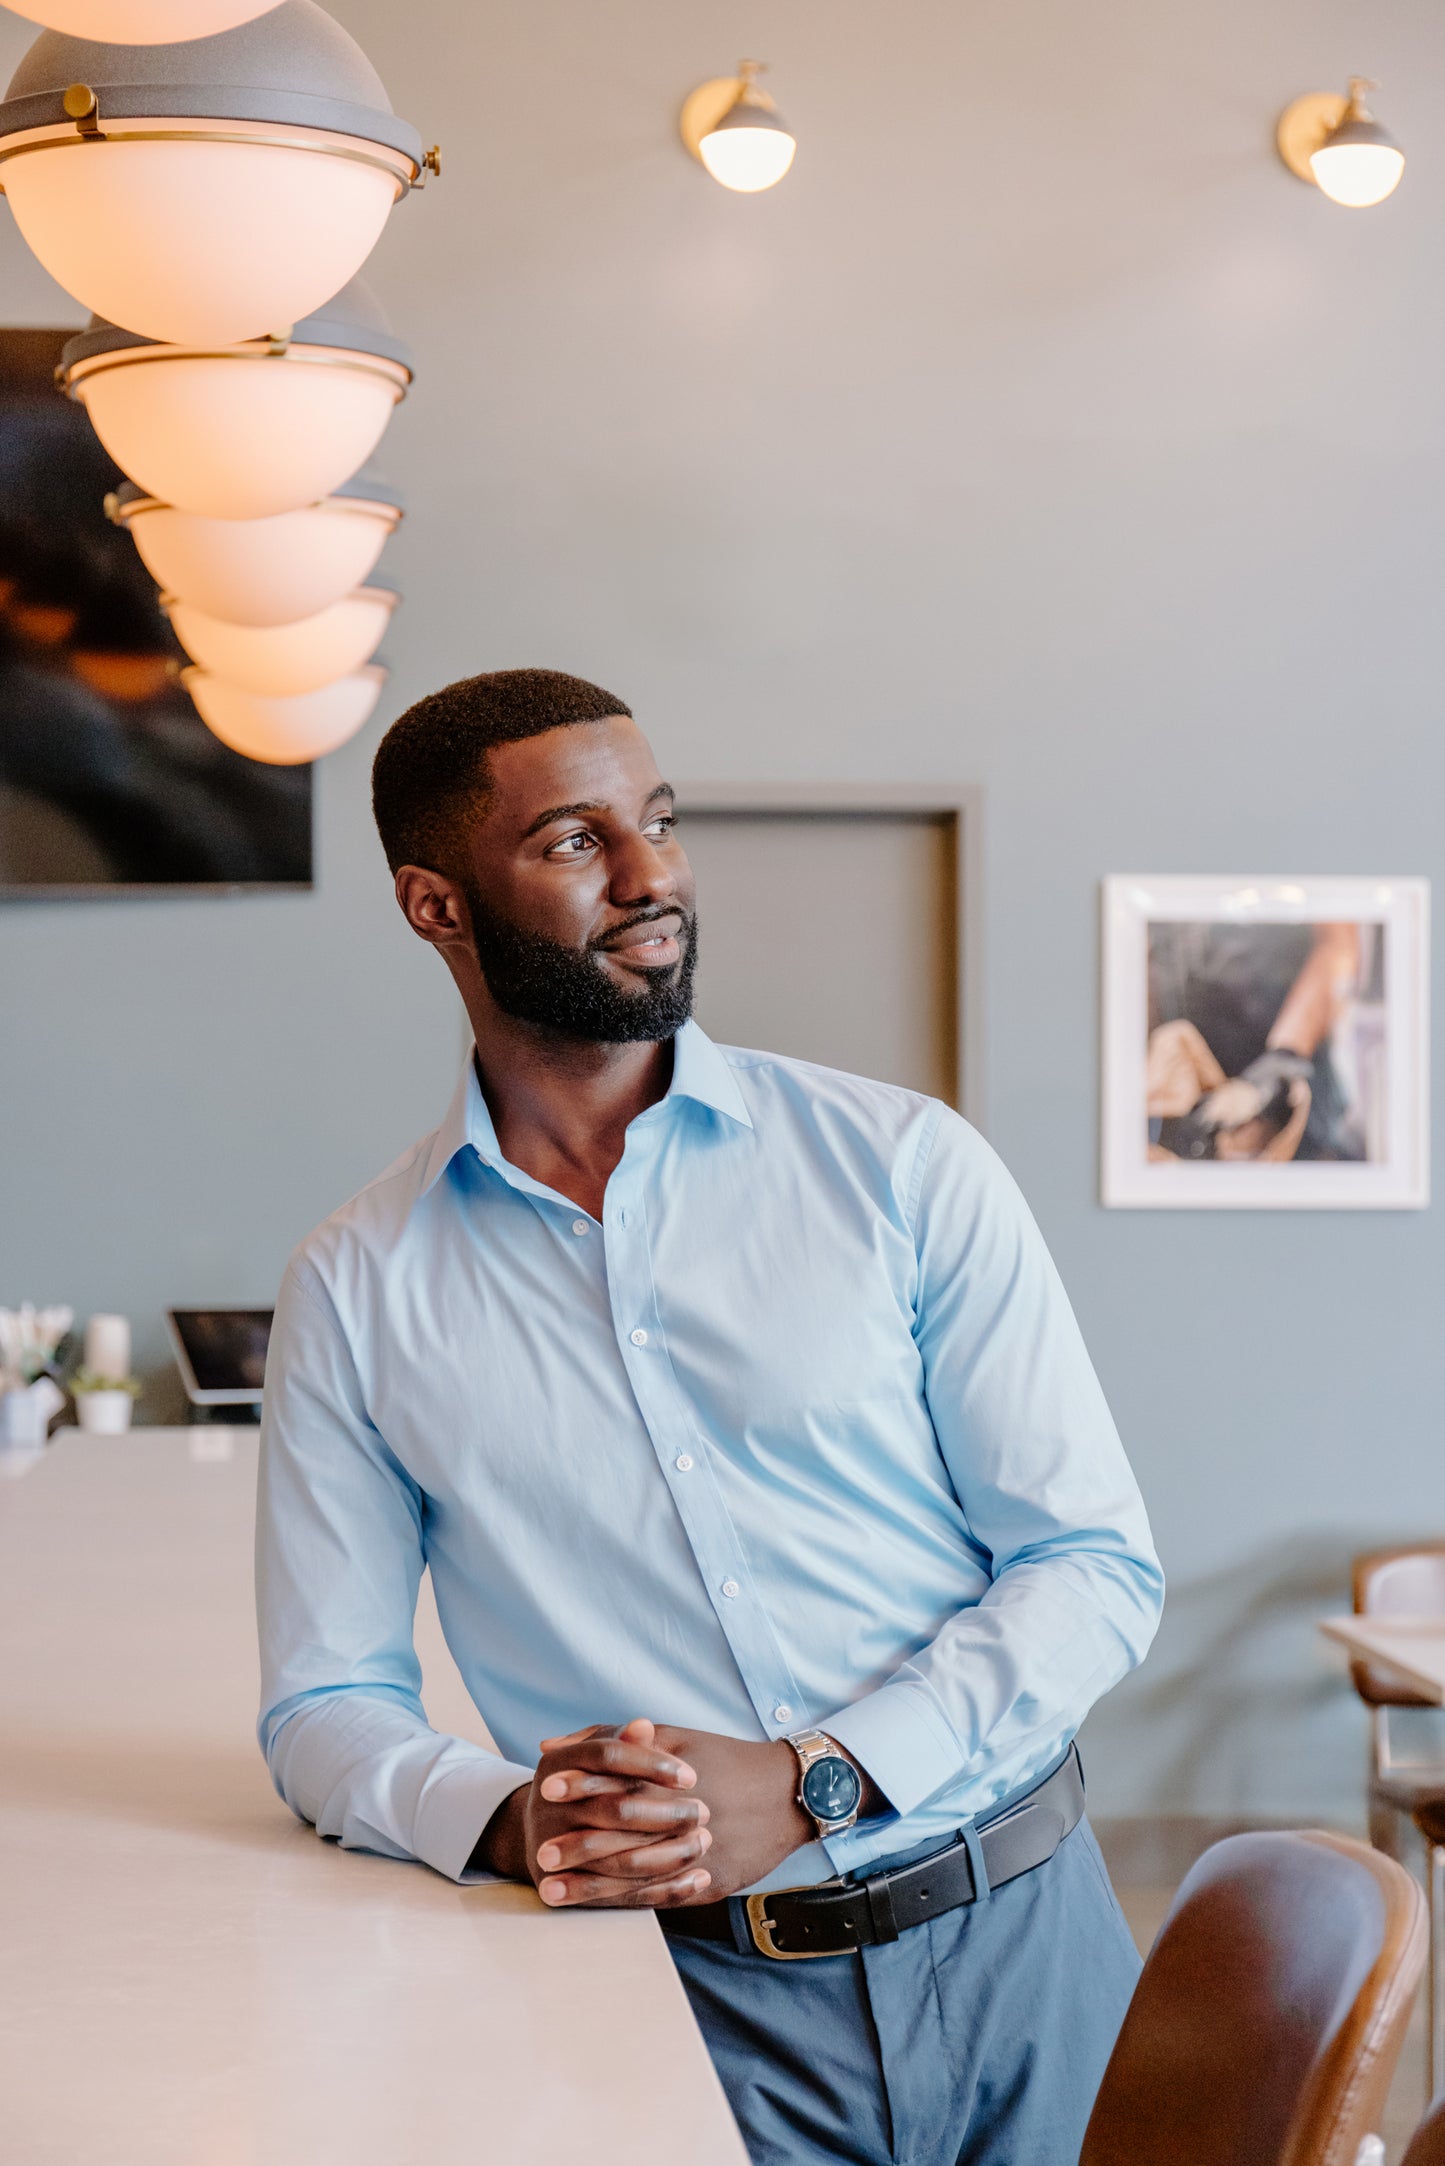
577 844
662 826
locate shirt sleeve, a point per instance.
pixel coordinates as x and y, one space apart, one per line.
339 1558
1045 1488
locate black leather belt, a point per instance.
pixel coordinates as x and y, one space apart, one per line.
841 1916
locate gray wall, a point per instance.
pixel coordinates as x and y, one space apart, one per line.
1039 432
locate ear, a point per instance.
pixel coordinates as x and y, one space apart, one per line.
434 907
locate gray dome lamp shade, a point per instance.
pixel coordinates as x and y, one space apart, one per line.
143 22
263 571
209 191
247 431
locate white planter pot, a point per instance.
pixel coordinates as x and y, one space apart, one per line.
25 1414
104 1413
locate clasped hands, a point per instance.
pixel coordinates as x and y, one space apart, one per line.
624 1818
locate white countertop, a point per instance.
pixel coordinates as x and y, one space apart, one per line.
191 1977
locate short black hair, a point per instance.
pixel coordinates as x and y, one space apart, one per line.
429 777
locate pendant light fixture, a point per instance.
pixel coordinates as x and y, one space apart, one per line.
1338 144
284 732
735 129
143 22
263 571
280 660
211 191
248 431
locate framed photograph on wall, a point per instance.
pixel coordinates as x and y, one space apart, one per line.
1266 1043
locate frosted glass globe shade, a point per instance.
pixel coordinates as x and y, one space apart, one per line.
198 243
143 22
747 159
229 184
1358 174
281 660
262 571
284 732
240 435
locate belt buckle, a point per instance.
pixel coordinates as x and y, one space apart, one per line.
762 1928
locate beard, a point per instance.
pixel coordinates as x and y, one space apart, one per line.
567 991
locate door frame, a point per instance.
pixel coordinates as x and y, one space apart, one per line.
956 805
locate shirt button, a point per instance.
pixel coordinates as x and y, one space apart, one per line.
730 1587
683 1462
782 1712
579 1225
639 1338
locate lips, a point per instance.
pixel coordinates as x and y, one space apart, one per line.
652 945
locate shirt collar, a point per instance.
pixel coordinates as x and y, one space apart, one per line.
700 1071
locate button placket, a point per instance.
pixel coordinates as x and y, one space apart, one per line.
701 1508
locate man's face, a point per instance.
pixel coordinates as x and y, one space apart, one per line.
581 899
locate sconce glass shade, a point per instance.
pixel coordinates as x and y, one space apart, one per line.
143 22
280 660
749 149
249 431
1359 164
220 188
284 732
263 571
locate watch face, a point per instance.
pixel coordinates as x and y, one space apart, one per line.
831 1788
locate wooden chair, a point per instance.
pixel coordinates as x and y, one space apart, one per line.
1267 2023
1408 1582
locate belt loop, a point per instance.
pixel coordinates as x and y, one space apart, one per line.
973 1843
880 1909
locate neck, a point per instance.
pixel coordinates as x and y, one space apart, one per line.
561 1106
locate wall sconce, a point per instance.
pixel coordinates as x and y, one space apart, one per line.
735 129
1339 145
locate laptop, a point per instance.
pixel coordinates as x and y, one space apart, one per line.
221 1353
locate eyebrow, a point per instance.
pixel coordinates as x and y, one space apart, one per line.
573 812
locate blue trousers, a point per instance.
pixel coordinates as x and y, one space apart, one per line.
977 2039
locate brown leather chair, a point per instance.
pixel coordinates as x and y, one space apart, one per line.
1427 2145
1267 2023
1405 1582
1430 1820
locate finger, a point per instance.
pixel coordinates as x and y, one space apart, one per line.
574 1737
640 1731
582 1891
621 1856
589 1804
617 1756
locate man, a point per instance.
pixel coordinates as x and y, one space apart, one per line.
775 1518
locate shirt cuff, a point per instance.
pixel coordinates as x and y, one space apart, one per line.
454 1810
900 1735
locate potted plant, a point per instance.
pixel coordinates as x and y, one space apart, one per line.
30 1340
103 1404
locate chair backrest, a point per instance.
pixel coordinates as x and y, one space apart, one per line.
1427 2145
1269 2017
1406 1582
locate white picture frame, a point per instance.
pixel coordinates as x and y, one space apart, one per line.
1395 1172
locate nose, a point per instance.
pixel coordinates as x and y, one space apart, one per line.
641 874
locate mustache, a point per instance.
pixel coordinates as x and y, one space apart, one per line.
686 922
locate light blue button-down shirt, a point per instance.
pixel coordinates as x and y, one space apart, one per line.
801 1433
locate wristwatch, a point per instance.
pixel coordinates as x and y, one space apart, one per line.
829 1786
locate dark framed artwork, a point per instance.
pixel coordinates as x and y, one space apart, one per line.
109 780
